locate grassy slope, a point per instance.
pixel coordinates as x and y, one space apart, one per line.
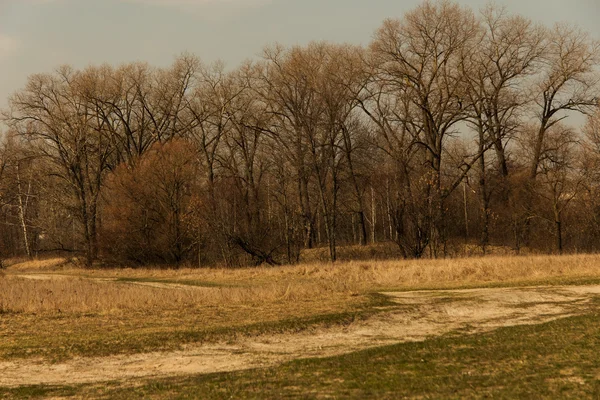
553 360
449 363
57 338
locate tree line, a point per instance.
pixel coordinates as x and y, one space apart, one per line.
452 126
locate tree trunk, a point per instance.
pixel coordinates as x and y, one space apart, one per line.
359 199
558 229
466 211
329 219
559 239
537 151
86 222
373 215
286 221
500 155
484 197
23 210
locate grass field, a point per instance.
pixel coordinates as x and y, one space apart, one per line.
553 360
53 312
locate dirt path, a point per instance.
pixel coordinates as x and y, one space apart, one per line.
417 316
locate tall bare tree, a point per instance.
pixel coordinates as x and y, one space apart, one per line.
507 57
286 84
60 123
568 83
419 58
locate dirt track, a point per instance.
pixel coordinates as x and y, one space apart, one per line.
418 316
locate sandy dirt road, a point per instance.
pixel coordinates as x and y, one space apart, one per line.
417 316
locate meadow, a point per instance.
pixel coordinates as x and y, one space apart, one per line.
56 315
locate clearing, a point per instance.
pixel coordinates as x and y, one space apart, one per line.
356 329
411 316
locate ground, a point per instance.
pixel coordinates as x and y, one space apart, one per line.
73 332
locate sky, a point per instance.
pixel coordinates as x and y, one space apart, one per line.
39 35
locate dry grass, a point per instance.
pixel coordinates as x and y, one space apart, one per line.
452 273
24 264
97 290
64 294
56 316
55 310
391 251
365 275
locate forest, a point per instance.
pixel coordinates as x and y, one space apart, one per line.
452 128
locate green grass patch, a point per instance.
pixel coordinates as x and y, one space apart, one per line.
39 391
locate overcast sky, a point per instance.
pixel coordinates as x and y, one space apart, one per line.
39 35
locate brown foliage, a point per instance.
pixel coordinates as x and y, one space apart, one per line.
148 206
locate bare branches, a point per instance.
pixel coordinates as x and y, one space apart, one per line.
316 145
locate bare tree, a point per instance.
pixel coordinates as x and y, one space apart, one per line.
316 145
560 177
567 83
209 115
346 78
389 124
52 112
286 85
246 162
507 57
419 58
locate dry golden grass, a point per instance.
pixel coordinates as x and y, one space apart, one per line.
367 275
24 264
74 294
55 310
76 312
391 251
80 290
